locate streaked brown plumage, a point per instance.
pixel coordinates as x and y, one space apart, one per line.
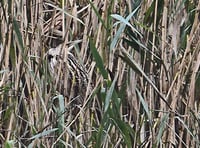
72 76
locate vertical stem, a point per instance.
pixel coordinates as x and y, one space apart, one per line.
163 75
151 91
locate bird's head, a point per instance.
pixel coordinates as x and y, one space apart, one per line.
53 56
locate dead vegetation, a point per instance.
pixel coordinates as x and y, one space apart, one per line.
143 60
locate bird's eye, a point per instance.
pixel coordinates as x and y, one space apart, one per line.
49 57
57 57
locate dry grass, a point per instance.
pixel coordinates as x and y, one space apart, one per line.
143 60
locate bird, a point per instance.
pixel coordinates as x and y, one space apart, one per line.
71 75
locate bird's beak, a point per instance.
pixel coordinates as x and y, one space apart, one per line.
45 55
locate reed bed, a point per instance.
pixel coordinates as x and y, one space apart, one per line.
142 58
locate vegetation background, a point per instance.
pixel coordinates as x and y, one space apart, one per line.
143 59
